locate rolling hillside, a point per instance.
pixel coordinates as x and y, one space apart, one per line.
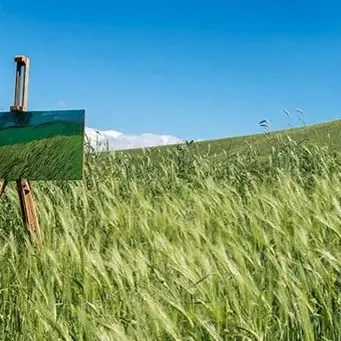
322 134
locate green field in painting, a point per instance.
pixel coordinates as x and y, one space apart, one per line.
50 151
57 158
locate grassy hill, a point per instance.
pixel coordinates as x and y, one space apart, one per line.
192 246
321 134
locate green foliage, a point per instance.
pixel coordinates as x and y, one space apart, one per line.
180 244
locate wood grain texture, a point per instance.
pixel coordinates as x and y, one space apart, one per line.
28 209
3 184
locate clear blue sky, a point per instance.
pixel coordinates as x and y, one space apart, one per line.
191 69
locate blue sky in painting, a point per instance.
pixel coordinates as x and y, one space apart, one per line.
40 117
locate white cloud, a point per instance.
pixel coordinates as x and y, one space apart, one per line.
119 141
60 104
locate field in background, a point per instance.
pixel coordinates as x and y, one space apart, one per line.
322 134
195 245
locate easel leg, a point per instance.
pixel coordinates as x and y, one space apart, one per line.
3 184
28 210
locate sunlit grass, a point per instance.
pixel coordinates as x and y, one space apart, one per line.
189 247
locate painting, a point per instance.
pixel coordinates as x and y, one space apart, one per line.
42 145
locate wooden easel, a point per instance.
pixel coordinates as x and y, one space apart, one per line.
25 193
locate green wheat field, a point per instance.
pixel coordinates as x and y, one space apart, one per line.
236 239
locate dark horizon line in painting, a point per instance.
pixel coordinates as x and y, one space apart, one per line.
35 118
39 125
20 135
